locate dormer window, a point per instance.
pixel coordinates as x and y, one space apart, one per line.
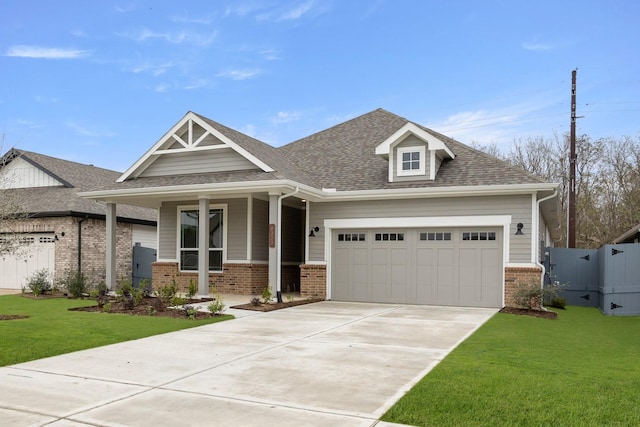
411 161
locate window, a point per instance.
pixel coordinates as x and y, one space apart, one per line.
385 237
479 235
351 237
189 239
411 161
435 236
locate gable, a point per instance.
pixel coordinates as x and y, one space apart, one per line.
20 173
413 154
194 146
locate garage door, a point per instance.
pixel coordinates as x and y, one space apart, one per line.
39 252
460 267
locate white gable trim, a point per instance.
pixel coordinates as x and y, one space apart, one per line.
160 148
386 147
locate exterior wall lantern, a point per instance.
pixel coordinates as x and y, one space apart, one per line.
519 231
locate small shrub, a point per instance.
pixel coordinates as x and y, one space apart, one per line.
168 292
217 306
146 289
266 295
106 308
102 296
193 289
190 311
40 282
150 310
255 301
290 298
76 283
129 296
558 302
177 301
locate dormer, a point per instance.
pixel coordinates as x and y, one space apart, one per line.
413 154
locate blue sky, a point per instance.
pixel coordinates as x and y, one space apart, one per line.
99 82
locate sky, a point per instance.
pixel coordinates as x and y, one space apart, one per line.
100 82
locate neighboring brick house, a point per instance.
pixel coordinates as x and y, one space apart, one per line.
378 209
61 231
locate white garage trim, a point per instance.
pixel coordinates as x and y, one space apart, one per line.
503 221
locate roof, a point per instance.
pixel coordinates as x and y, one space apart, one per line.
630 236
343 157
64 199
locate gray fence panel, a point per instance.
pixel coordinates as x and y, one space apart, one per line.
577 270
142 260
620 279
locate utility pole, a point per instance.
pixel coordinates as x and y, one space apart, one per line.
571 228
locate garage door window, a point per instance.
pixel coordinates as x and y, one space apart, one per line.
436 236
385 237
479 235
351 237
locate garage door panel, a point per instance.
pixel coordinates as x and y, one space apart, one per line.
38 253
462 266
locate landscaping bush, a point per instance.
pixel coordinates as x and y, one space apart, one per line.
146 288
76 283
266 295
167 293
217 306
558 302
40 282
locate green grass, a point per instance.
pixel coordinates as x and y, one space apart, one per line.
582 369
51 329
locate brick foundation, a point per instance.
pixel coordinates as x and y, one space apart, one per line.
242 279
518 276
313 281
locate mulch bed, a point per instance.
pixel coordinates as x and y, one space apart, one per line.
533 313
149 307
13 316
275 305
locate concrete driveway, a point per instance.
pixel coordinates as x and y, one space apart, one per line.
328 363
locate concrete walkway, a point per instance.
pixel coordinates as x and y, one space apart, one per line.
321 364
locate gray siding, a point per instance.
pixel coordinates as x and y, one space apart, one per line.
236 228
198 162
260 241
236 219
519 207
145 235
411 141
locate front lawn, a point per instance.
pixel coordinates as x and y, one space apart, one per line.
51 329
582 369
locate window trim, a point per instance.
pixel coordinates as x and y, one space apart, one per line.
421 150
225 220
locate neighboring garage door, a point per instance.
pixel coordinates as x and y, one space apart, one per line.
39 252
460 266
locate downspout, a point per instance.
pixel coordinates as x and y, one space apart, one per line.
80 243
278 245
537 261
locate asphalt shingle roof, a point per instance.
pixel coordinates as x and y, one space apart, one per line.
76 177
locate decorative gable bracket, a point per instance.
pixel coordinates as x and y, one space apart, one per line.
191 134
413 153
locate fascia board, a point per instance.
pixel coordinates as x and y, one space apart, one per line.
147 155
411 129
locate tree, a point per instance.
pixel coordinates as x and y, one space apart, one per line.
607 182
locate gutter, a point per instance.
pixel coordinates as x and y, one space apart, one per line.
537 261
279 244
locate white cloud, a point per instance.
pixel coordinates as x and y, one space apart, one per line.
79 34
24 51
186 19
175 37
240 74
161 88
93 133
270 54
155 69
196 84
537 46
286 117
297 12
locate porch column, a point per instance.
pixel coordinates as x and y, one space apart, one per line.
203 246
111 225
274 230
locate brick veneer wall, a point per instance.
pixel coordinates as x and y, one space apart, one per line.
93 245
516 276
313 280
242 279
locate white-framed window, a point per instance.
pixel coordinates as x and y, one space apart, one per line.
411 161
188 237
